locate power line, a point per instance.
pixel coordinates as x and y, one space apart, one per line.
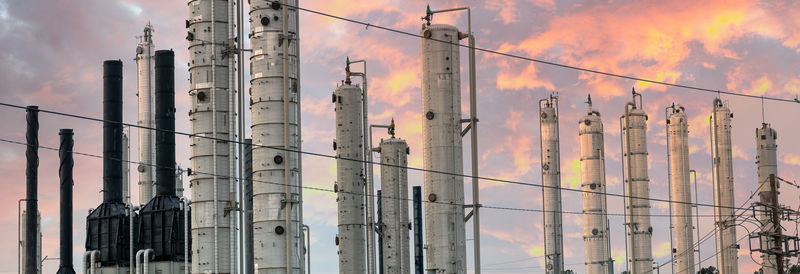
335 191
322 155
490 51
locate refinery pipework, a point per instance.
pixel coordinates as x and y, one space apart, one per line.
680 190
209 115
350 177
394 208
767 161
722 173
275 95
442 148
596 237
637 186
551 186
145 69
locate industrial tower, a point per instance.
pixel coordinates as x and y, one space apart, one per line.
146 93
596 238
722 173
275 96
211 114
441 148
680 190
394 213
350 177
767 161
637 186
551 186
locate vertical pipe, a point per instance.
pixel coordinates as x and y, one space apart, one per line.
473 122
551 181
308 250
419 264
32 191
672 254
381 231
697 217
247 204
126 168
230 53
288 198
65 177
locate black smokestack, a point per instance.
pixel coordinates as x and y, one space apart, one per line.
112 131
165 122
32 176
65 176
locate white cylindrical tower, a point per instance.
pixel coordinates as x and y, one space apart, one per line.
441 148
637 186
551 186
394 188
722 173
146 93
209 89
678 145
767 161
275 95
596 240
350 179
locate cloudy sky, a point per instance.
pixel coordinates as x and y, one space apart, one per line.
52 51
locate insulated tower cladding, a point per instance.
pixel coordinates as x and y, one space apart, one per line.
442 152
394 187
551 186
678 145
275 97
637 185
350 178
596 239
767 161
722 173
210 115
145 69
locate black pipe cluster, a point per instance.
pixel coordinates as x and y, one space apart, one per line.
161 225
107 226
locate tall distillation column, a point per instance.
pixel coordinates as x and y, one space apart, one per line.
551 182
637 186
394 191
722 173
767 160
596 237
275 95
145 72
209 115
442 151
678 145
350 178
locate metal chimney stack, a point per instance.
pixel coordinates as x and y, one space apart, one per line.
442 149
32 240
680 188
165 123
767 161
65 176
394 186
596 238
108 225
637 186
212 114
144 65
275 95
350 178
722 173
